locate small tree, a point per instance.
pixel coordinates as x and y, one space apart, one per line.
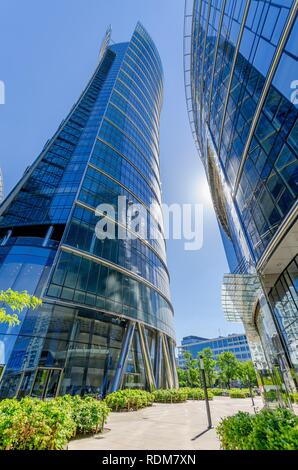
192 376
229 367
209 366
247 374
16 302
182 378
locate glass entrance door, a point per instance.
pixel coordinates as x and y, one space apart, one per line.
46 383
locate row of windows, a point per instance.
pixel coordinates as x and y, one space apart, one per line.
86 282
119 168
132 132
135 53
137 119
122 144
124 89
269 183
125 77
99 189
284 301
132 254
134 62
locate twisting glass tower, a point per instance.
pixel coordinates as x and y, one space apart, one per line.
106 320
241 69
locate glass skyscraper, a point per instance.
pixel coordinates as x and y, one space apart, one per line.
106 321
241 79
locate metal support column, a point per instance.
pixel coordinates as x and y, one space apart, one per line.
167 363
158 357
127 340
146 357
48 235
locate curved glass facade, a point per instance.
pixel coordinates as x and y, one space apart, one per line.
241 81
106 321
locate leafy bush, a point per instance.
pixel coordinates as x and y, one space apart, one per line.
294 397
218 392
170 395
197 394
238 393
33 424
89 414
128 400
268 430
270 395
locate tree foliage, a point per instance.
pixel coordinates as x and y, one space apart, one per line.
247 374
229 367
209 366
16 302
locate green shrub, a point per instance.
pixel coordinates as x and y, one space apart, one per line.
197 394
33 424
271 395
218 392
294 397
238 393
89 414
128 400
233 431
268 430
170 395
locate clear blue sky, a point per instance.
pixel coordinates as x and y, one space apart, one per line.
49 50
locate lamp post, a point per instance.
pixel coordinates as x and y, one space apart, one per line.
205 392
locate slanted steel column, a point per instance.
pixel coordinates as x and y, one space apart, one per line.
127 340
167 363
48 235
146 357
158 356
6 238
173 361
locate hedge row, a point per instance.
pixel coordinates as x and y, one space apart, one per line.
197 394
268 430
170 396
129 400
33 424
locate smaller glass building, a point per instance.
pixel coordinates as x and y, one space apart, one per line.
234 343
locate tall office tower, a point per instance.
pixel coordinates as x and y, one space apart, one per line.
106 321
241 74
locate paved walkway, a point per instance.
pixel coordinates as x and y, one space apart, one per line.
163 426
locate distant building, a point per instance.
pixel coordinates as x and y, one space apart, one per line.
234 343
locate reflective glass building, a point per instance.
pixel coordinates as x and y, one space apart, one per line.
241 74
106 321
234 343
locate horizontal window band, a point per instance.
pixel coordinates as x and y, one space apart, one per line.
94 167
128 137
107 312
142 240
116 267
100 139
